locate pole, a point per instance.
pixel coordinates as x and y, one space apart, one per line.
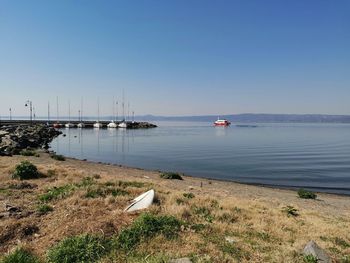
10 114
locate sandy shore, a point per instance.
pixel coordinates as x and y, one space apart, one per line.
256 212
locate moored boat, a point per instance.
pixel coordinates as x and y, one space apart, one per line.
221 122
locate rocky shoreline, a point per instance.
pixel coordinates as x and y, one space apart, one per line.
13 139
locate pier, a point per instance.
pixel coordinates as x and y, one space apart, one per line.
87 124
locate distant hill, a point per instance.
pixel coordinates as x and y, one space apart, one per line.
251 117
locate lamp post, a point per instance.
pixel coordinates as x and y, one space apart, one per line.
29 104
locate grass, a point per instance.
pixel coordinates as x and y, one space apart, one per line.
44 209
25 170
58 157
305 194
103 192
188 195
147 226
125 184
56 193
82 248
20 255
172 176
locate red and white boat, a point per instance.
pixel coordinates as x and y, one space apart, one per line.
222 122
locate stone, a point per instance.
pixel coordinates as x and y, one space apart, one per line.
313 249
180 260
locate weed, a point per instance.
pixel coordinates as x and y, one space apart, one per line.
51 173
197 227
25 170
290 211
180 201
86 181
147 226
83 248
188 195
203 212
58 157
103 192
310 259
305 194
56 192
345 259
44 209
228 218
20 255
172 176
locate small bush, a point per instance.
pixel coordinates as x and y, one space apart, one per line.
20 255
29 152
188 195
290 211
103 192
171 176
86 181
25 170
135 184
51 173
58 157
56 192
148 226
83 248
204 212
44 209
305 194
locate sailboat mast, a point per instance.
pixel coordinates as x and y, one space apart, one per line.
48 111
57 108
123 107
81 109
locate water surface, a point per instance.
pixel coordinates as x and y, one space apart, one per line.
315 156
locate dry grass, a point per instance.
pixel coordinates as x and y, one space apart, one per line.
251 216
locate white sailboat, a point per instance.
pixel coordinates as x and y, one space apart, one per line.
123 123
112 124
97 124
69 124
81 123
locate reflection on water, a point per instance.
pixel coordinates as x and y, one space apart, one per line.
287 155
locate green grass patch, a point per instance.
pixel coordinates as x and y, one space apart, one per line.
20 255
305 194
26 170
103 192
57 193
172 176
203 212
147 226
310 259
58 157
78 249
341 242
44 209
86 182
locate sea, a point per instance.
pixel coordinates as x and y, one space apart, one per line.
283 155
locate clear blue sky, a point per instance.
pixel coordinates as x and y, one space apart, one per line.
183 57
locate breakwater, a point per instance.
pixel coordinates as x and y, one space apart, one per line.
14 138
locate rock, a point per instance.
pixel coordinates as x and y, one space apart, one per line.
313 249
230 239
180 260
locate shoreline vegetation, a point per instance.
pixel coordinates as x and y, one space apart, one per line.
74 205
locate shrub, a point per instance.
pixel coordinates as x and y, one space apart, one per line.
29 152
20 255
148 226
136 184
290 211
82 248
44 209
58 157
305 194
25 170
171 176
103 192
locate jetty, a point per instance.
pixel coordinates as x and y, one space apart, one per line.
87 124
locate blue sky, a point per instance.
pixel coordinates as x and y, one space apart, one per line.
183 57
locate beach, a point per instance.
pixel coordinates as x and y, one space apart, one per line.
224 221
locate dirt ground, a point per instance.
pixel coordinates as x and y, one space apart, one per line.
259 226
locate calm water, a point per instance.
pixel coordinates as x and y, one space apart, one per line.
315 156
